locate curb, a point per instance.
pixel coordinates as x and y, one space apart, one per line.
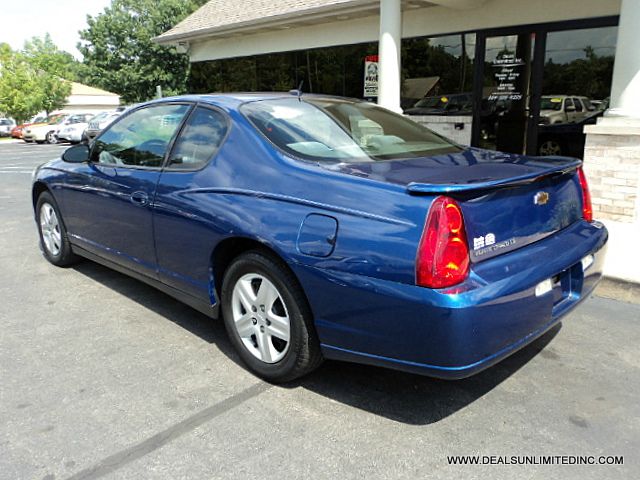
618 290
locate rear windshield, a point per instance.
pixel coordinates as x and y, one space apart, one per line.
342 130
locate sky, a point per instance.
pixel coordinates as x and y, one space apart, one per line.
21 20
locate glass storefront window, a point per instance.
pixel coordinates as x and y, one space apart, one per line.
437 75
576 86
526 98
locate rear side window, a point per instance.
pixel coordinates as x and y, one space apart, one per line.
332 129
141 138
199 140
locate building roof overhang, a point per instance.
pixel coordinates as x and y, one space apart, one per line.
222 18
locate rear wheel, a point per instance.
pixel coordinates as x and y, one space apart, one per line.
268 319
53 235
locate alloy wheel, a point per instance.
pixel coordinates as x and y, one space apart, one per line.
52 138
50 228
260 318
550 147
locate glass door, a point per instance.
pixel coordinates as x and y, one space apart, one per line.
536 87
504 92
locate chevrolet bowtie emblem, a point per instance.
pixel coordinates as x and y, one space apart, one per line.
541 198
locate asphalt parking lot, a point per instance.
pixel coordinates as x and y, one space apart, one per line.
102 376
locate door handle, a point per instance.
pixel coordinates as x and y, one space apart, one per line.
139 198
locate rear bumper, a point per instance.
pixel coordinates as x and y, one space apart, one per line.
457 333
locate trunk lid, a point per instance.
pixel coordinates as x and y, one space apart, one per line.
508 201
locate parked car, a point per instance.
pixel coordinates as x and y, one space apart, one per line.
566 139
564 109
601 104
44 131
6 125
323 227
456 104
74 127
98 123
18 130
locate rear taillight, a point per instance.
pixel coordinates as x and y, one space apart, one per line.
443 254
587 209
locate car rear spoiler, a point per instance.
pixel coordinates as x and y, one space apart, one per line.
416 188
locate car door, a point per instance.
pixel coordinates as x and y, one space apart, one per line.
108 204
186 223
579 113
569 110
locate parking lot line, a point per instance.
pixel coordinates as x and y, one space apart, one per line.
128 455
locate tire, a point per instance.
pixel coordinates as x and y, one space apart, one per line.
54 243
51 138
550 146
255 333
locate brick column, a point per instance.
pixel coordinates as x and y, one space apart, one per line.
612 153
612 165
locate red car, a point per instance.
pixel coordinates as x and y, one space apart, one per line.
16 132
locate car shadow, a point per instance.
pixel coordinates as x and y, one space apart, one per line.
409 398
398 396
208 329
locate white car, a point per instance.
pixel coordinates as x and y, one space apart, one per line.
99 122
6 125
556 109
48 132
73 127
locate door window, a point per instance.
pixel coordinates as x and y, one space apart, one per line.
578 104
141 138
568 105
200 139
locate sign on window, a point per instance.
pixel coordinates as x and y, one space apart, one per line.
370 76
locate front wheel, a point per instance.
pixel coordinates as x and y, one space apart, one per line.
268 319
53 235
550 147
51 138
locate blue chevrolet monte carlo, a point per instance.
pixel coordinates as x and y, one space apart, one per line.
324 227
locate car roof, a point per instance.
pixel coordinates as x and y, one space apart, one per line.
235 99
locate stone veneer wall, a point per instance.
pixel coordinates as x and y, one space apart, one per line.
612 167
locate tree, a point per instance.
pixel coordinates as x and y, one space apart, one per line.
119 52
34 79
17 84
44 55
51 67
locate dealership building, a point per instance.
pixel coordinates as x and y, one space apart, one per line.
547 77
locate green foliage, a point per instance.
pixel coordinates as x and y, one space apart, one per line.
51 65
17 82
34 79
44 55
119 52
589 76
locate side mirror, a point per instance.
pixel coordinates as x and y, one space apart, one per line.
76 154
569 108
